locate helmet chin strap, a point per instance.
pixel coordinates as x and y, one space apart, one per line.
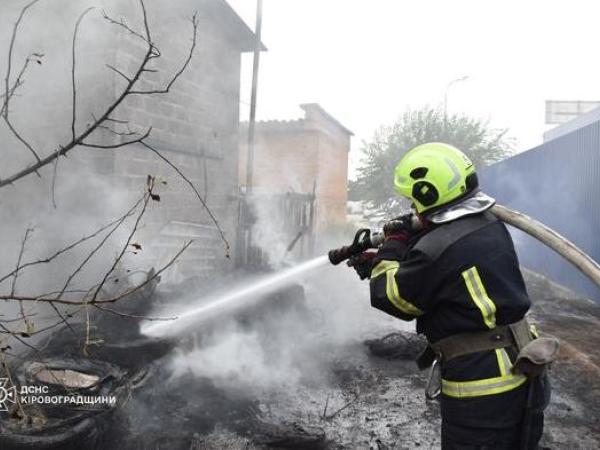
474 204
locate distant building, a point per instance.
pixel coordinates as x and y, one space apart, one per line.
569 116
301 156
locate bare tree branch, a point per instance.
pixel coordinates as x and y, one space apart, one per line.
37 57
79 138
133 316
16 275
151 52
16 335
84 304
119 133
147 197
114 69
113 299
187 180
11 47
7 89
19 259
116 226
73 67
21 139
69 315
121 144
53 186
148 280
17 319
121 23
146 27
110 119
28 324
339 410
63 318
88 258
73 245
194 21
68 291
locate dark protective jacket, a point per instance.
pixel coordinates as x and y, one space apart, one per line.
457 277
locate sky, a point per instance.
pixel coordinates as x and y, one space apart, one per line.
367 61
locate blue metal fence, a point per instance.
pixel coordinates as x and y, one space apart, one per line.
558 183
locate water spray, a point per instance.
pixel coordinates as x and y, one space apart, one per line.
230 301
363 240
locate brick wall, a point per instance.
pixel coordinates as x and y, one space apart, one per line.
302 155
195 126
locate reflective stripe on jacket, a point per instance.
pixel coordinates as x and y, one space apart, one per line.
454 278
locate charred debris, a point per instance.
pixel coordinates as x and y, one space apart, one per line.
370 393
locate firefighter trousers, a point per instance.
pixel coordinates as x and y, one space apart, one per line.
455 437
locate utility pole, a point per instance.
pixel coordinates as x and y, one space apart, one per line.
463 78
252 121
248 253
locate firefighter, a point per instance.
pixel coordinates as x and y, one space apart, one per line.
452 266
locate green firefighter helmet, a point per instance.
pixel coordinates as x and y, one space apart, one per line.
434 174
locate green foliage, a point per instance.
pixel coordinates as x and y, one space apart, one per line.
374 183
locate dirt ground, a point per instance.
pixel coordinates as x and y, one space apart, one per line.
374 402
355 391
573 418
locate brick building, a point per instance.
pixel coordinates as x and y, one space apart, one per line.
195 125
301 156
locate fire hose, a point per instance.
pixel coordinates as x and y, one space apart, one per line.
547 236
364 240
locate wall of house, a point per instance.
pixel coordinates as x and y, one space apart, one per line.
332 178
195 126
301 156
285 157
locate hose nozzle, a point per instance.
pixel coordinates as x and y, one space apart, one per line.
363 240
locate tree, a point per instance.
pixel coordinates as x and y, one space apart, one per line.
72 295
484 145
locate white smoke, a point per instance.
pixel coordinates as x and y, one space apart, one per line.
238 360
288 344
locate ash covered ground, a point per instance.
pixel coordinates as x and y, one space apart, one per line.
363 396
308 369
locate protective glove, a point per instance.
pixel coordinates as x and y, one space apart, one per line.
362 263
399 229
